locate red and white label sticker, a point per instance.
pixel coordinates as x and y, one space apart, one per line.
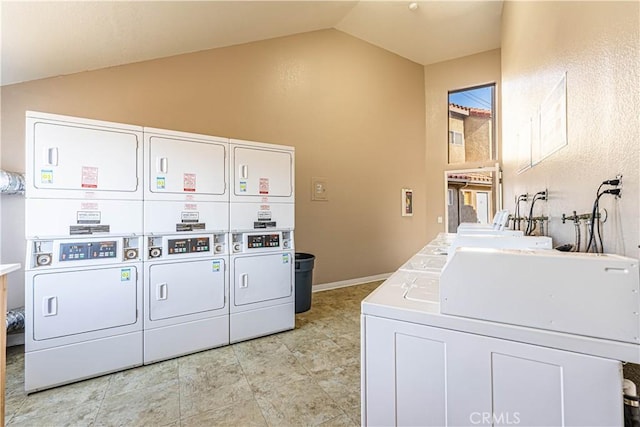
89 177
189 182
86 206
264 186
190 206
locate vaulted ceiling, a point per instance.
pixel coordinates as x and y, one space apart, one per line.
50 38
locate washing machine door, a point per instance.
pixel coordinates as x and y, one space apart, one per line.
74 302
261 278
186 287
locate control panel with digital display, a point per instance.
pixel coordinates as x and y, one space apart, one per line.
88 250
185 246
263 241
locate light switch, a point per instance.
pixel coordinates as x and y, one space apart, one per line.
439 220
319 189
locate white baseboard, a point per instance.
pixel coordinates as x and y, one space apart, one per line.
350 282
15 339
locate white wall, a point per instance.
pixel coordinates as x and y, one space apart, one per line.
597 45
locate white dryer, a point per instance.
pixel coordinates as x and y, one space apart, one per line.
83 307
185 182
185 294
85 174
262 194
262 284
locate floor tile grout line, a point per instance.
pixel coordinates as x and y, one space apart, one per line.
104 395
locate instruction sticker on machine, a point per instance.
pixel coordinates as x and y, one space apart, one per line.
160 183
88 217
285 258
215 266
189 181
190 216
46 176
89 177
264 215
125 274
243 186
264 186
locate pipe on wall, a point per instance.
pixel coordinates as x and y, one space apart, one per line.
11 182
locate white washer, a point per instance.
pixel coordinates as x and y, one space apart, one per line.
262 284
83 309
473 366
185 294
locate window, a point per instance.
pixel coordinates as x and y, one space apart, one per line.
472 125
456 138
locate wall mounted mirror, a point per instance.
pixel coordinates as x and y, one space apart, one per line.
472 195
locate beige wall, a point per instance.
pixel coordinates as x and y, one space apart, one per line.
597 45
474 70
354 113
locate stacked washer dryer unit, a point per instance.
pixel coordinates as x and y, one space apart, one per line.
83 292
186 220
261 221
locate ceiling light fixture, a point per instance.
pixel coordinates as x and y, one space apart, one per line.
413 6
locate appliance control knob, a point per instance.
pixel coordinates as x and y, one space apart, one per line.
236 247
155 252
285 244
131 253
43 259
218 248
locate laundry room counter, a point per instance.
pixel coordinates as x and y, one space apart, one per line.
4 270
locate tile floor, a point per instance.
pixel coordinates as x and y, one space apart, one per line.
304 377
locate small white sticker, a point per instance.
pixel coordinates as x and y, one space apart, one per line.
285 258
243 186
88 217
215 266
190 216
160 183
264 215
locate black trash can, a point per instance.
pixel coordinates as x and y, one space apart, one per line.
304 277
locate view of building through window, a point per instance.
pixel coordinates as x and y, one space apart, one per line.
471 125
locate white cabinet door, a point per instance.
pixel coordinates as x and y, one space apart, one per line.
184 288
74 157
75 302
261 278
184 166
262 173
421 375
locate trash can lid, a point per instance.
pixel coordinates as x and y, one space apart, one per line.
303 256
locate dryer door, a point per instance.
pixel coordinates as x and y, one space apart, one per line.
74 157
186 287
260 278
262 173
74 302
182 166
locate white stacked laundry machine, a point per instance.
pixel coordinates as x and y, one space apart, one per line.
261 220
186 220
83 265
146 244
